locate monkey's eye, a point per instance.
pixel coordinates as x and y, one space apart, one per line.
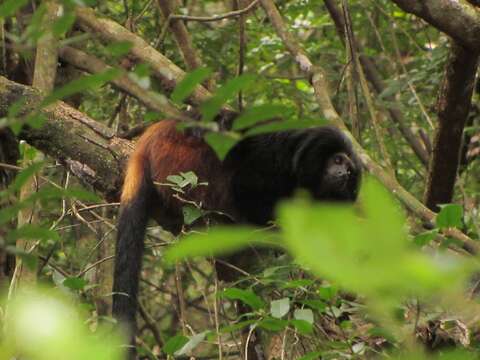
338 160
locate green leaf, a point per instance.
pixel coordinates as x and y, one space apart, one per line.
425 238
185 87
216 241
293 284
450 215
33 232
303 86
246 296
174 344
23 176
212 106
176 179
238 326
272 324
191 344
75 283
221 143
189 179
82 84
279 308
80 194
191 214
28 259
338 245
318 305
259 113
311 356
9 212
10 7
302 326
304 314
327 292
63 23
358 348
119 48
285 125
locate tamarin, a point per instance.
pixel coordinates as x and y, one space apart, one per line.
256 173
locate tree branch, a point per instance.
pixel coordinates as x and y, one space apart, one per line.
93 65
458 19
182 38
88 148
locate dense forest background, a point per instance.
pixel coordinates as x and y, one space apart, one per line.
394 276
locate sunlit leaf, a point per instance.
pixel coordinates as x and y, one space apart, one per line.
340 245
303 314
280 308
191 214
191 344
218 240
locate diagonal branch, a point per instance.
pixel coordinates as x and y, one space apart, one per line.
93 65
182 38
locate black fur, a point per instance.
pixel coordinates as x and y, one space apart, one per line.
269 167
132 224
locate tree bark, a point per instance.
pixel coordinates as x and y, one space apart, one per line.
459 19
453 108
89 149
93 65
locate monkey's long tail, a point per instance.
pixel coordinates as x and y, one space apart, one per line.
132 223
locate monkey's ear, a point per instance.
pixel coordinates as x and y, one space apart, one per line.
297 158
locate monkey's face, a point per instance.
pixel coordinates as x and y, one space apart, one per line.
340 179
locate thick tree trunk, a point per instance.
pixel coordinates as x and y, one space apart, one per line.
453 107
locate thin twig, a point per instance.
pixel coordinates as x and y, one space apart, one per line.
227 15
